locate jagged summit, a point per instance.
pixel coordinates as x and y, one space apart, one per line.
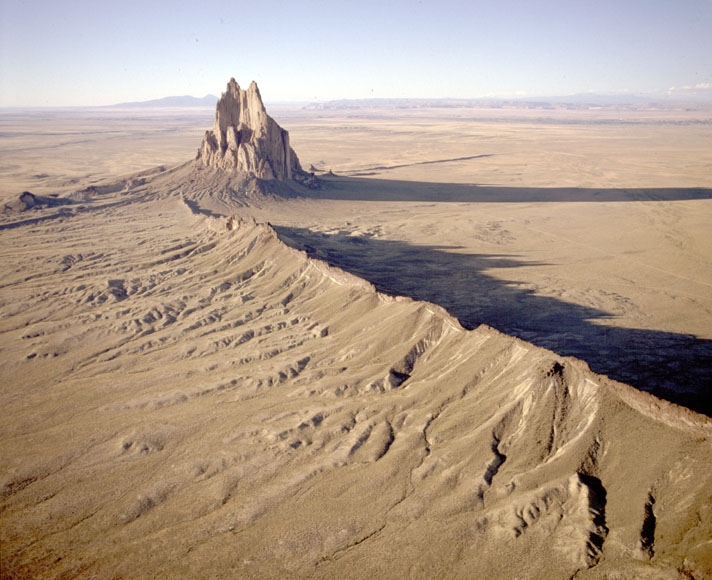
246 140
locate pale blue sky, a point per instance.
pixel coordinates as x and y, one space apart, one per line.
80 52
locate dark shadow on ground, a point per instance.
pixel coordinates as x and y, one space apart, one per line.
676 367
195 207
35 220
377 168
373 189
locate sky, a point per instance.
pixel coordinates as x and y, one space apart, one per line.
86 53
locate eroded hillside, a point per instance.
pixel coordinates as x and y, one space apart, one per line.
185 400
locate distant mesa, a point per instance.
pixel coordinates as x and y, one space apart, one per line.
246 140
174 101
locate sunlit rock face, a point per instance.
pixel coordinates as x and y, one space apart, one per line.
245 139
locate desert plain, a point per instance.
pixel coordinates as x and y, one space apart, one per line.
419 369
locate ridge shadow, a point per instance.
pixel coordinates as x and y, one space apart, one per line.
374 189
672 366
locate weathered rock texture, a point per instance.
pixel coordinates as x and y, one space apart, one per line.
245 139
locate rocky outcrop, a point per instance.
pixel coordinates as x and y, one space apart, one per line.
29 201
246 140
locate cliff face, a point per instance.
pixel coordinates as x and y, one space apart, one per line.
245 139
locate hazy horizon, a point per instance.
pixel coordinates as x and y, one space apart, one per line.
703 98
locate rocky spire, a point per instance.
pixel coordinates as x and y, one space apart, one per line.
245 139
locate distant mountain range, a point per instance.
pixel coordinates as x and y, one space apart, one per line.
577 101
572 102
177 101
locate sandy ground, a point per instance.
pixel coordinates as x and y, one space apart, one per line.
181 400
46 151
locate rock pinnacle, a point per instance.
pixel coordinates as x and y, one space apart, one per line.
246 140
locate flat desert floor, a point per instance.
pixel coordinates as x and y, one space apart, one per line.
186 399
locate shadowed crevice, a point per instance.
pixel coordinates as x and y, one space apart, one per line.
647 532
